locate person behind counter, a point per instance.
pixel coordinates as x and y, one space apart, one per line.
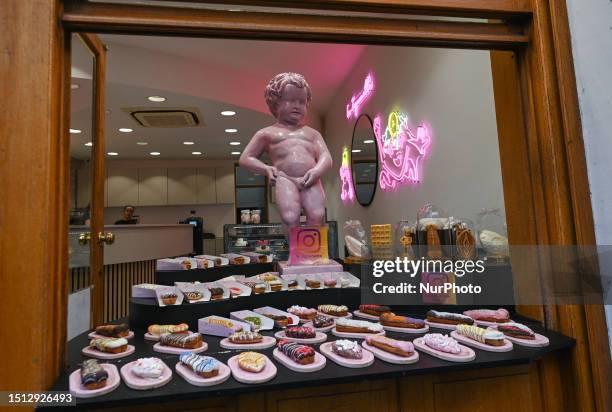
128 217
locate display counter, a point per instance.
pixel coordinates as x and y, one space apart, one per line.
332 374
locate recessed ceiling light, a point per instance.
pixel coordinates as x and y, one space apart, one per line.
142 143
235 153
74 86
196 153
231 130
356 150
156 99
126 130
75 131
228 113
89 144
188 143
369 141
154 153
235 143
113 154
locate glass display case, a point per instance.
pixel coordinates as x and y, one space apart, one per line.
269 239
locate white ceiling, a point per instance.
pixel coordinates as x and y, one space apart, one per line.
209 74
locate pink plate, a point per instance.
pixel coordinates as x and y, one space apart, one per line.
446 326
506 347
406 330
364 362
325 329
465 355
355 335
347 316
158 347
361 314
267 342
94 335
150 336
538 342
268 372
138 383
320 337
94 353
80 391
317 365
490 324
195 379
391 357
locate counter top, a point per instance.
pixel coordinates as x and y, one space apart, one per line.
178 389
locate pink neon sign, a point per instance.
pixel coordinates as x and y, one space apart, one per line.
347 193
358 99
400 151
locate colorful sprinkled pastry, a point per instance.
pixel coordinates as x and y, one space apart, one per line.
301 354
347 349
322 321
300 332
205 366
302 312
93 376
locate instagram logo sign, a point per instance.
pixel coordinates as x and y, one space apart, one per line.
308 245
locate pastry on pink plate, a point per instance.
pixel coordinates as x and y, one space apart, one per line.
500 315
442 343
398 347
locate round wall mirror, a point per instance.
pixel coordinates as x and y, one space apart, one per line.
364 160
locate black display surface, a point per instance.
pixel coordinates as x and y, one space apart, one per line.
178 389
168 277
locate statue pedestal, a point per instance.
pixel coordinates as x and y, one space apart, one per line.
331 267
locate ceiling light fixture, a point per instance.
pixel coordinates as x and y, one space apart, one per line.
75 131
89 144
369 141
142 143
188 143
235 153
154 153
228 113
156 99
113 154
356 150
231 130
126 130
196 153
235 143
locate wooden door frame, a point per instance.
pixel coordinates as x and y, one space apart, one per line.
98 173
546 156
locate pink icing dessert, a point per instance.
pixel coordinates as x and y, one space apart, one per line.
402 345
500 315
443 343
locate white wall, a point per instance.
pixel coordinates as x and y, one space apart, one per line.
591 30
451 90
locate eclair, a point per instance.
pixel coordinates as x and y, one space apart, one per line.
375 310
357 326
397 347
109 345
333 310
500 315
516 330
487 336
449 318
204 366
181 340
396 321
302 354
113 331
93 376
245 337
159 330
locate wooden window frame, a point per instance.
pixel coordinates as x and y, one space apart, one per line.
543 160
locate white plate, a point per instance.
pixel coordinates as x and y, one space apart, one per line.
391 357
158 347
466 354
317 365
354 335
364 362
506 347
320 337
196 380
267 342
325 329
406 330
361 314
